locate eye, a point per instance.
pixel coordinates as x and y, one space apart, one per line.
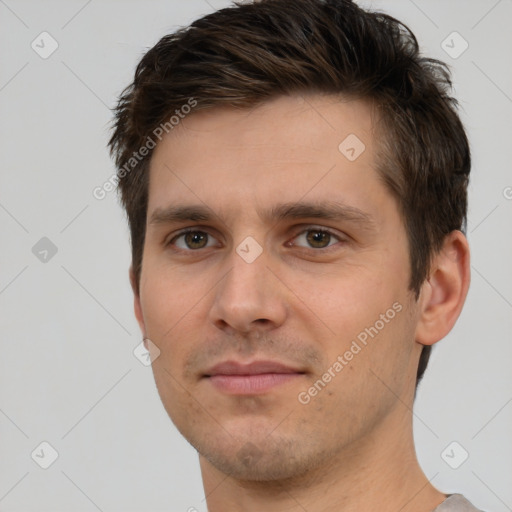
315 238
193 240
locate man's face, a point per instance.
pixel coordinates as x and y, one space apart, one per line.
315 335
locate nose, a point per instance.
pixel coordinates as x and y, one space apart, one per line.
249 297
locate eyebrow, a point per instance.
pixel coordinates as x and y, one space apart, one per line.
300 210
325 211
180 213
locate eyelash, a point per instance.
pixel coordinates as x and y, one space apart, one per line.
334 236
309 228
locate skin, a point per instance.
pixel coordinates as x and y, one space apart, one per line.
301 303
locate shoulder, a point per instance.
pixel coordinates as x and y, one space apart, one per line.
456 503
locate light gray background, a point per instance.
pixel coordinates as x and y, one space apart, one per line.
68 375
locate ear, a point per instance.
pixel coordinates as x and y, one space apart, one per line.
443 294
136 301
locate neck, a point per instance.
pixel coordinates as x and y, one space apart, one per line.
379 471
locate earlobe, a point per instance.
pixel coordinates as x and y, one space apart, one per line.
443 294
136 301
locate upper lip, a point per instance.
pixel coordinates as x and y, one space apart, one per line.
254 368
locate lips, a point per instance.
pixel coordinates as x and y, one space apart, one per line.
254 368
257 377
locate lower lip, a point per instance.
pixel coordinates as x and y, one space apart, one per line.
250 384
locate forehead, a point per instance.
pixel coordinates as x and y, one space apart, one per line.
287 124
321 146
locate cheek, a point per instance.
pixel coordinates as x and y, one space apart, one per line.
347 299
171 311
171 307
382 367
167 295
373 375
361 314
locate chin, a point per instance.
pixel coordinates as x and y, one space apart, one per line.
263 459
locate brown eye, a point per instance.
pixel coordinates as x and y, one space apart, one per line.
196 239
193 240
318 239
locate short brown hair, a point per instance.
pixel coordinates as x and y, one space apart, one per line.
248 53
